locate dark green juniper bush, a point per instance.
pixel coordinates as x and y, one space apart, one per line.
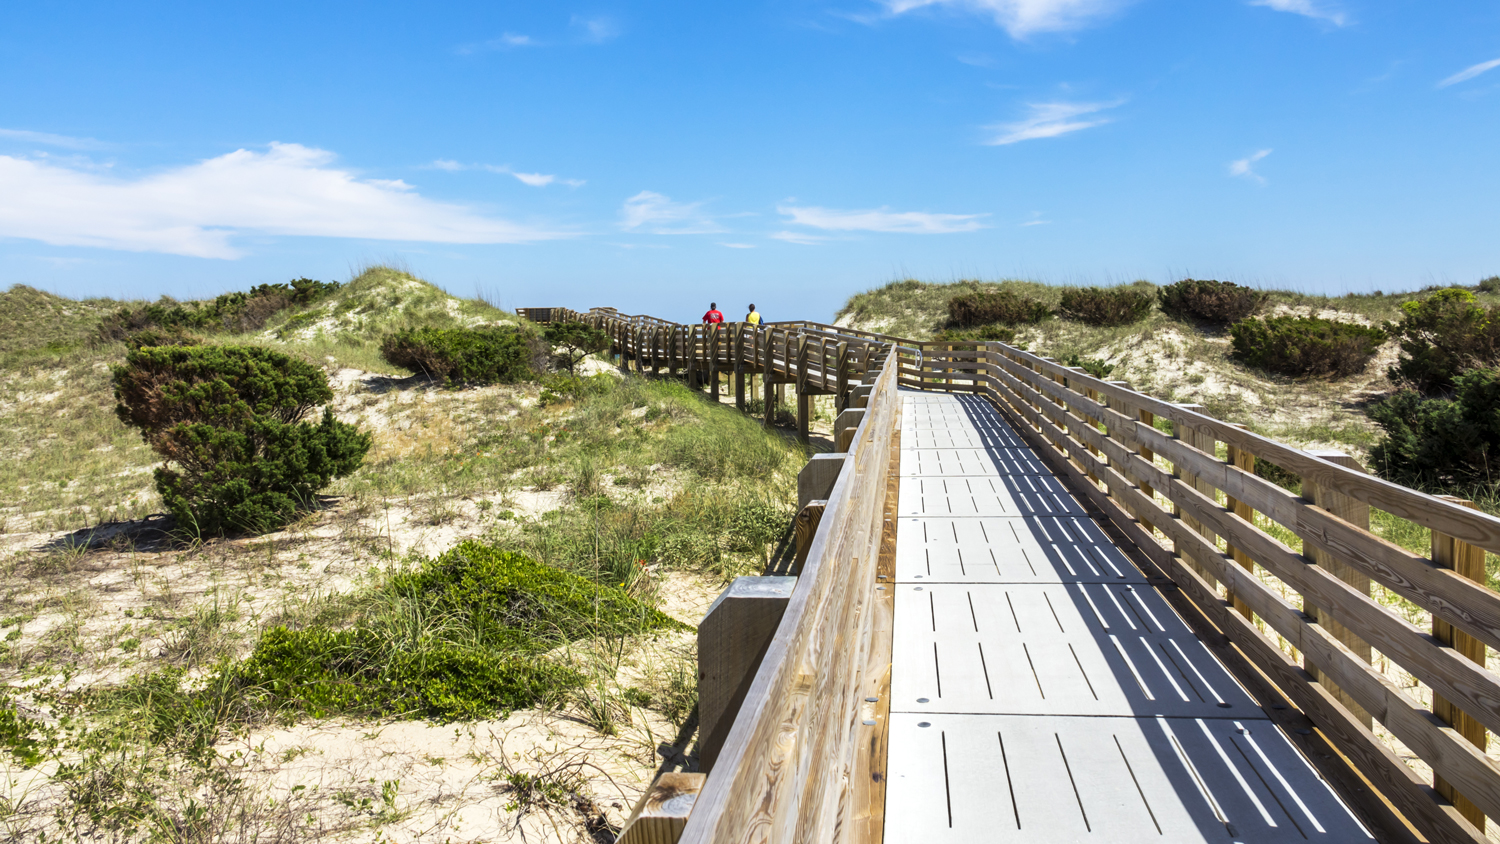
483 355
1449 444
1219 302
1106 306
990 306
229 422
236 312
1305 346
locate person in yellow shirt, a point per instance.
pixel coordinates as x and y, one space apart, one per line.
754 316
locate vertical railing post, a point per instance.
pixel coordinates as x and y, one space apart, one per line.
768 376
1468 561
1204 441
841 385
1245 462
1356 513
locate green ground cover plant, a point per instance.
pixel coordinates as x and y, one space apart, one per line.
1443 336
463 636
482 355
968 310
983 333
229 422
1093 366
1305 346
1218 302
1107 305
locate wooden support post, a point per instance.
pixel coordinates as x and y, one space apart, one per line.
846 421
739 387
1205 442
804 528
713 336
690 356
804 416
817 478
860 397
662 812
1468 560
657 339
732 639
640 350
768 376
1356 513
841 384
1245 461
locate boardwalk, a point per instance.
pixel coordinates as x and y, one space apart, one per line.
1041 689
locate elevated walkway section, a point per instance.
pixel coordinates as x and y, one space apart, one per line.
1041 689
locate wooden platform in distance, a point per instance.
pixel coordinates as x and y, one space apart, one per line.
1042 690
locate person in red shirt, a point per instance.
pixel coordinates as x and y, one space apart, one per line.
713 317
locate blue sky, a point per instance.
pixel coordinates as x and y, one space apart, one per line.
653 156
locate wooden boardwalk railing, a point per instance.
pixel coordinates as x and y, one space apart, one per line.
790 769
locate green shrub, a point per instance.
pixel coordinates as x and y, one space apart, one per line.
1442 337
234 312
574 341
502 354
1490 285
1106 306
462 637
983 333
174 335
1220 302
1300 346
1093 366
990 306
1439 443
228 420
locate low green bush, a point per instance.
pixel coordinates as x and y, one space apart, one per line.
1093 366
983 333
1106 306
1442 337
229 422
1220 302
1490 285
234 312
464 636
1300 346
500 354
1442 444
984 307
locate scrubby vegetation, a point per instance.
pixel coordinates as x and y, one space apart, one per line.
1093 366
1443 336
462 637
1305 346
1217 302
574 341
983 333
1447 444
484 355
231 312
229 421
1006 307
1107 306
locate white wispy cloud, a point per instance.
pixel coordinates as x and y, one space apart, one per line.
1469 73
506 41
47 139
199 209
1307 8
1245 166
595 30
739 245
800 238
1036 220
1048 120
1021 18
536 180
880 220
653 213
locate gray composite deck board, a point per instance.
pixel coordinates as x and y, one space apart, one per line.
1041 689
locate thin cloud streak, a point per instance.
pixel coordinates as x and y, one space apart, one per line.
1049 120
880 220
1021 18
1306 8
48 139
1244 167
652 213
1469 73
198 209
536 180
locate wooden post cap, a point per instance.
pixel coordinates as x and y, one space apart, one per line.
662 812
